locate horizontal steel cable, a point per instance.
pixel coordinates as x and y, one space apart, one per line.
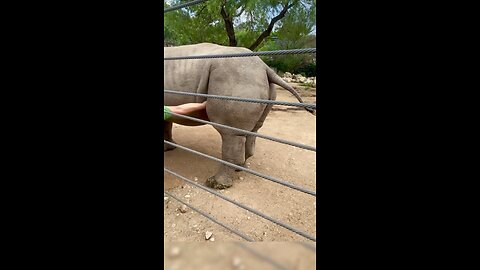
210 217
267 177
183 5
258 213
250 100
265 53
261 256
299 145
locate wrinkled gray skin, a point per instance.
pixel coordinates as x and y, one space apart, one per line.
247 77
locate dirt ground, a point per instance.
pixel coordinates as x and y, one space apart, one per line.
285 162
231 255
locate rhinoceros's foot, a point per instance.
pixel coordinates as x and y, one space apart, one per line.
244 165
168 147
219 182
238 170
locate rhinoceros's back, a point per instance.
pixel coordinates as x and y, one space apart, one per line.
193 75
201 49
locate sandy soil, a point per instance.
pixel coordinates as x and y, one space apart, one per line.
288 163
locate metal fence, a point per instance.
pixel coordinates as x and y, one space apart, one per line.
261 175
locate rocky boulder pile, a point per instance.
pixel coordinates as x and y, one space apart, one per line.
298 78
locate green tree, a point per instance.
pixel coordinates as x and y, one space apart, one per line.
245 23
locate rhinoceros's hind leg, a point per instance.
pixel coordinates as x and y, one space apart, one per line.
250 147
233 151
167 136
250 143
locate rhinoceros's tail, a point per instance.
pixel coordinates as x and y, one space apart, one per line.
274 78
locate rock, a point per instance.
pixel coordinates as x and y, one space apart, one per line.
208 235
174 252
166 199
212 239
183 209
237 263
287 75
299 78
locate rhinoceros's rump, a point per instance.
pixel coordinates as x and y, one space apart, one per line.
247 77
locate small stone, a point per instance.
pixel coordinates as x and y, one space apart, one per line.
166 199
212 239
241 178
183 209
237 263
196 179
187 196
174 252
208 235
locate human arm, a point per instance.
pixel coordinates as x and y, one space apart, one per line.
188 108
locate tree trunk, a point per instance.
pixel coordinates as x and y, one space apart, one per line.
229 27
269 29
